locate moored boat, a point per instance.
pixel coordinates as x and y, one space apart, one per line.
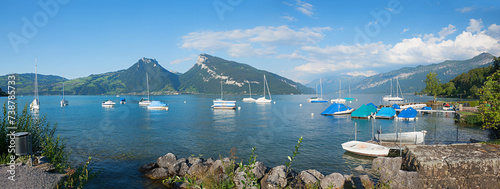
158 105
364 112
108 103
417 137
337 109
385 113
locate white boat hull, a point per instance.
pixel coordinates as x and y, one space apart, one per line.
404 137
393 98
64 103
145 103
415 106
263 100
158 108
365 149
222 104
108 103
344 112
248 100
338 100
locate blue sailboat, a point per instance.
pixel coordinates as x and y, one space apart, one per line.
408 114
386 113
337 109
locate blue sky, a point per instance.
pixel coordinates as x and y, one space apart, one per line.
299 39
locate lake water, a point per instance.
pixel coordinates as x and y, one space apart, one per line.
122 138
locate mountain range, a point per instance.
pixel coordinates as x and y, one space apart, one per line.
411 79
204 77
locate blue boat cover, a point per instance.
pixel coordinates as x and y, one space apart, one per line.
427 108
364 111
371 104
408 113
349 99
396 106
157 104
335 107
386 112
122 99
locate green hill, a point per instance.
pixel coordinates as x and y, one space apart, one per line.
204 77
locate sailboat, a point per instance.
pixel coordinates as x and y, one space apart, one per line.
145 102
249 99
64 102
394 98
350 99
223 104
339 100
318 100
365 148
35 105
264 99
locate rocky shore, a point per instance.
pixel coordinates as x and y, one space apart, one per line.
425 166
169 166
41 175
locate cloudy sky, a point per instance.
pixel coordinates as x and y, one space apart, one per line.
299 39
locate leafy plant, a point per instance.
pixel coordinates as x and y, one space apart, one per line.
292 158
250 179
77 178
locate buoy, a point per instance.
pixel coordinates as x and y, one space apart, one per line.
312 114
274 102
300 105
184 102
239 107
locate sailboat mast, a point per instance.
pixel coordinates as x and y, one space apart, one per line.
63 90
340 89
250 89
391 87
221 94
321 88
397 88
36 81
268 91
147 83
264 86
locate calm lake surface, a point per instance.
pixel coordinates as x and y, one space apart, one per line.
122 138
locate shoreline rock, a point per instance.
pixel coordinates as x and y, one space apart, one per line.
168 166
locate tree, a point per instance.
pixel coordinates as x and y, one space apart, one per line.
449 88
496 63
490 95
433 85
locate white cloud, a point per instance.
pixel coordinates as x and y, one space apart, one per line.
465 9
257 41
475 25
447 31
416 50
289 18
405 30
365 73
180 60
302 7
494 31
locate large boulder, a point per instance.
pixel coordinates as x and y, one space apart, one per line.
310 177
259 170
167 160
366 181
198 168
334 180
158 173
276 178
387 167
195 160
148 167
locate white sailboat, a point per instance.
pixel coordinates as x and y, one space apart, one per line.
64 102
339 100
145 102
108 104
249 99
365 148
223 104
391 98
35 105
264 99
320 99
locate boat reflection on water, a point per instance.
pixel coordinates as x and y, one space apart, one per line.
354 160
